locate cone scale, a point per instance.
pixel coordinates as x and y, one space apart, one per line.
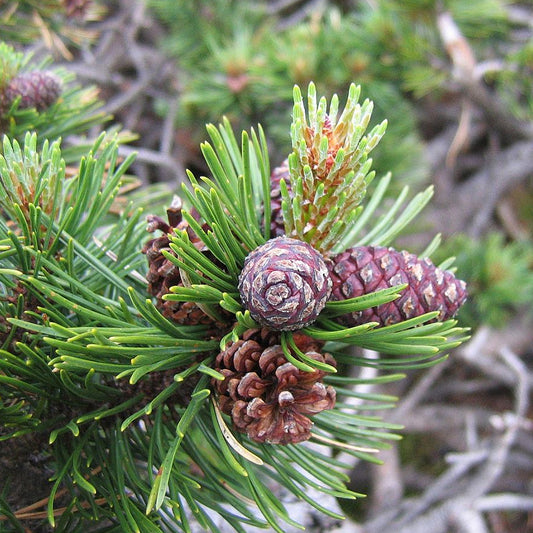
163 274
267 397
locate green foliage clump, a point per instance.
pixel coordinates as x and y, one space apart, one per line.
239 58
402 43
499 275
58 23
236 60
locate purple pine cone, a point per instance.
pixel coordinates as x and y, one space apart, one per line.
39 89
365 269
284 284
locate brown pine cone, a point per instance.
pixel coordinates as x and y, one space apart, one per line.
163 274
39 89
284 284
267 397
365 269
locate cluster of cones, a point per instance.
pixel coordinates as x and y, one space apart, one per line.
285 284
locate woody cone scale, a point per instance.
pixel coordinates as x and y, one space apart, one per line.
163 274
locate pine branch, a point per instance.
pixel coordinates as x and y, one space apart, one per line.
116 378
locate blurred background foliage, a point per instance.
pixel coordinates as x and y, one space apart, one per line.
58 23
75 109
237 59
240 59
495 269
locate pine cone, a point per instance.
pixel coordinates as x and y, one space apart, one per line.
367 269
277 226
163 274
284 284
267 397
39 89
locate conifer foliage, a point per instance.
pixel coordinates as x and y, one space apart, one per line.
161 389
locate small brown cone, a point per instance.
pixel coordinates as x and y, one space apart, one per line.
163 274
267 397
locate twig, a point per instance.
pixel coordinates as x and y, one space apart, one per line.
498 116
482 190
462 135
39 515
363 373
477 352
446 485
464 63
418 391
122 100
387 483
453 499
505 502
469 521
441 418
510 220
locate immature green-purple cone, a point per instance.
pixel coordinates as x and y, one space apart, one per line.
39 89
284 284
365 269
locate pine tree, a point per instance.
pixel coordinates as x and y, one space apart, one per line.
150 420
